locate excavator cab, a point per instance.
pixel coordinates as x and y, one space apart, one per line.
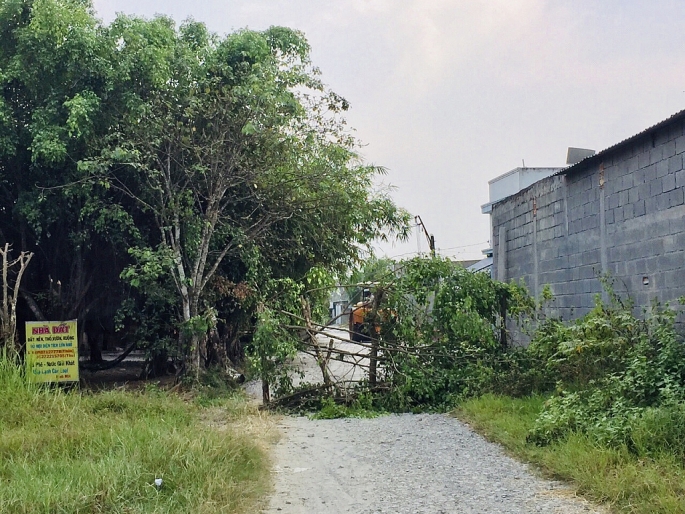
360 331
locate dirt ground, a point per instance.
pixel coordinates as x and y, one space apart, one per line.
126 374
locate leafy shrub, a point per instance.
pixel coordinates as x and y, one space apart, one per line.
617 376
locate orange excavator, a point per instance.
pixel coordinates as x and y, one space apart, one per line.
359 329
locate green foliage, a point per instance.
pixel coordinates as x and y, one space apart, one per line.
448 321
648 481
163 166
611 368
614 422
271 348
361 407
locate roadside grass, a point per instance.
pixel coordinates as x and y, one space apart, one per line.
71 452
612 476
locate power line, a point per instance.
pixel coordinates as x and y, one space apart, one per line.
441 251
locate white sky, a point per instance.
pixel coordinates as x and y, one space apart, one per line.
448 94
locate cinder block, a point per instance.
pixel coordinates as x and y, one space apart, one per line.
628 211
662 202
668 182
656 187
613 254
639 177
680 178
623 197
613 201
591 256
675 278
643 160
618 214
669 243
587 301
650 173
633 195
578 287
675 163
652 264
617 268
669 148
650 204
661 168
639 209
656 154
590 222
632 164
675 198
659 227
587 272
631 266
680 144
671 261
680 241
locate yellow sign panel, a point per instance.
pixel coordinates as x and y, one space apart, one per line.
51 351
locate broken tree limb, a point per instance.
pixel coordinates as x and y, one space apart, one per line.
101 366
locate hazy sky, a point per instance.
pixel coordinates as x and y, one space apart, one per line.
448 94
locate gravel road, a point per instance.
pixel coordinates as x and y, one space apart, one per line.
397 464
428 463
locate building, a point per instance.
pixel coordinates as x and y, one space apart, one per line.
502 187
620 212
338 306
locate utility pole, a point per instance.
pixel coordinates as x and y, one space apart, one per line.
429 237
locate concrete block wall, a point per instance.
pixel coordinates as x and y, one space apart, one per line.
622 213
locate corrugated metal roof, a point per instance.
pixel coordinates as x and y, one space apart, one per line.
600 155
481 265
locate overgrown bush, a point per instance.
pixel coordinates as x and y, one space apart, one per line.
617 374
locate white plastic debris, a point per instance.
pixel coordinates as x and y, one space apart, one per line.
158 483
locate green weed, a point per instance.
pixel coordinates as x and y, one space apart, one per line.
70 452
651 480
362 407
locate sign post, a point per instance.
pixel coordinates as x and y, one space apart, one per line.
51 351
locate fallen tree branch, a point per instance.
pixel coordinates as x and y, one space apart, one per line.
101 366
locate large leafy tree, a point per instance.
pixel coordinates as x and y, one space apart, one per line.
55 76
199 168
234 150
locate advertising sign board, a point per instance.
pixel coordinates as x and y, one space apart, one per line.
52 351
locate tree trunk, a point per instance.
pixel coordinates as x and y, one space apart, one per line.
311 332
266 397
375 338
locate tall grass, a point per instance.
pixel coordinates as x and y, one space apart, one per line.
647 477
71 452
